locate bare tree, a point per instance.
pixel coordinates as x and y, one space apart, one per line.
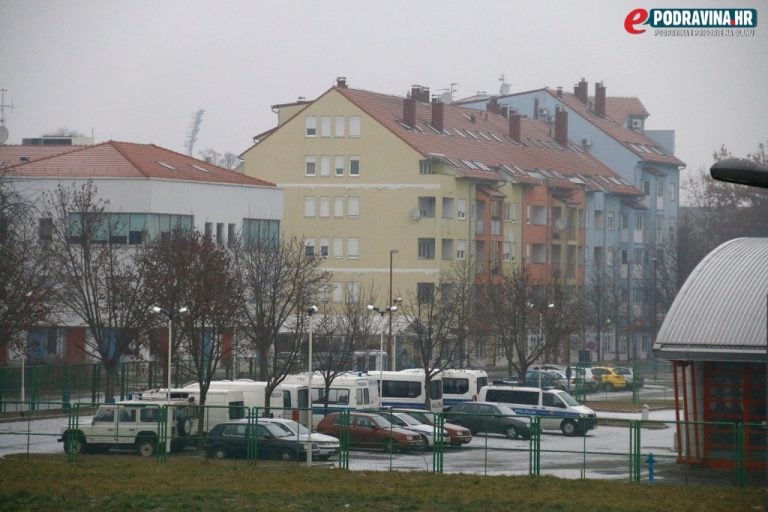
438 321
508 303
565 313
27 287
280 283
340 332
102 281
193 271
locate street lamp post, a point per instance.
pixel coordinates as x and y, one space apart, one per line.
170 315
390 343
382 311
311 311
23 368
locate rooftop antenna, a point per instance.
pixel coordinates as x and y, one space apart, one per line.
504 89
453 89
3 129
194 128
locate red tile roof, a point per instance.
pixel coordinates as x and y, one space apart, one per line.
482 137
618 109
15 154
128 160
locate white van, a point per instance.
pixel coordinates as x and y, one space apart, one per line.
556 409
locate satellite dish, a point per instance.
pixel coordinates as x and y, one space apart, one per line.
445 97
560 224
504 90
3 134
415 214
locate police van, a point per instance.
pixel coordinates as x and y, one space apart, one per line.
556 409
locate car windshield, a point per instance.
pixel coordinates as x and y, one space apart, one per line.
420 416
568 399
408 420
277 430
294 426
283 428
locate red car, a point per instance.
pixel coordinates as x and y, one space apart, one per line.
371 431
459 435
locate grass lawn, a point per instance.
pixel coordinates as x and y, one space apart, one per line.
129 482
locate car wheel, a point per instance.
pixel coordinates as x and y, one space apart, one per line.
425 443
512 433
75 446
608 387
287 454
217 452
569 428
146 447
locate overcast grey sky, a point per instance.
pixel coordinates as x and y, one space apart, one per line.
137 70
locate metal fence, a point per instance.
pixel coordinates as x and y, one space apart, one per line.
621 449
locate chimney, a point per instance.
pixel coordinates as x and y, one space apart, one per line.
409 111
438 115
515 127
560 91
425 95
561 127
581 90
341 82
416 92
492 106
600 99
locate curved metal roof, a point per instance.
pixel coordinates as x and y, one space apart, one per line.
720 312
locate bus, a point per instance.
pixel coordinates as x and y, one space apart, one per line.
461 385
348 391
405 389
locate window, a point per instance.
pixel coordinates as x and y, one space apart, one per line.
638 256
209 230
324 247
425 167
220 233
338 247
45 229
646 187
448 208
354 166
231 235
325 166
338 206
325 206
309 247
353 249
427 207
660 189
353 291
427 248
325 126
461 249
639 221
538 253
338 165
624 256
336 292
624 221
461 209
309 206
310 126
425 292
599 219
446 251
672 192
509 212
354 126
261 231
340 123
309 165
507 255
537 215
353 206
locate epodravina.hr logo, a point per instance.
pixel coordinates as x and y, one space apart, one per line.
637 19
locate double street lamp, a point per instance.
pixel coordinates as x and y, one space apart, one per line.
170 315
382 311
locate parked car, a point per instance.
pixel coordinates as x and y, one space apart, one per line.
371 431
609 380
230 440
584 375
548 379
328 445
629 375
457 434
408 422
489 417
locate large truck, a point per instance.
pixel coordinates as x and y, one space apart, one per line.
132 425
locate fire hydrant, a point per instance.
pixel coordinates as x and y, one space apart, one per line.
650 461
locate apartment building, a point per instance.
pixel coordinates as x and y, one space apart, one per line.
626 239
372 178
